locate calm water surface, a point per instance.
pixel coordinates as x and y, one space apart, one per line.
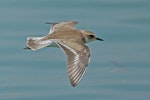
119 67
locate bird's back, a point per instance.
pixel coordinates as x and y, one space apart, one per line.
64 34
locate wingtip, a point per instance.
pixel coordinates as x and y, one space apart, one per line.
49 23
73 84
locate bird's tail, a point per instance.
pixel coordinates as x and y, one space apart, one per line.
35 43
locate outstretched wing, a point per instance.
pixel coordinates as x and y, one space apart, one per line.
62 26
77 59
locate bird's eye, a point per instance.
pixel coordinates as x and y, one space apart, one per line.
91 36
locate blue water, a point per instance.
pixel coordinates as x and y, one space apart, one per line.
119 67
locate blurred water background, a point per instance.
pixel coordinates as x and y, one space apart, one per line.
119 67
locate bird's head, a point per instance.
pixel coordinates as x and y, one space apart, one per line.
90 36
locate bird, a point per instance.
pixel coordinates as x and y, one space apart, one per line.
72 41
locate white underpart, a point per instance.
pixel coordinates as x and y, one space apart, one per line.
50 42
34 38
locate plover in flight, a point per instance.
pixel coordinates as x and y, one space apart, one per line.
72 41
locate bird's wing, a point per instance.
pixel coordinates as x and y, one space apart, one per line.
62 26
78 56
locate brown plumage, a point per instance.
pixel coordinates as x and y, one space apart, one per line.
72 42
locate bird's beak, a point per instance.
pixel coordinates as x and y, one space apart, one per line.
26 48
97 38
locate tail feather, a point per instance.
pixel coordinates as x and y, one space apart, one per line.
35 43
